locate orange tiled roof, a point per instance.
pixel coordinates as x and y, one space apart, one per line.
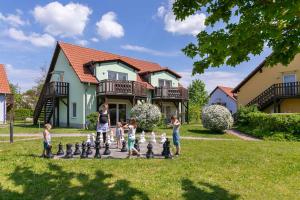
4 84
226 90
78 56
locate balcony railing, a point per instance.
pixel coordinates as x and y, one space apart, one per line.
123 88
279 90
171 93
57 89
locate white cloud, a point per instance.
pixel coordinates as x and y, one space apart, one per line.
192 25
149 51
212 78
95 39
65 20
82 42
13 19
108 27
44 40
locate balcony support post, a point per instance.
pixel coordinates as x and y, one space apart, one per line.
57 113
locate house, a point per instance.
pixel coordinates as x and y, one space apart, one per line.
80 79
6 100
273 89
223 96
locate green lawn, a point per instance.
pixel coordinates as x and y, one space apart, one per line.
206 170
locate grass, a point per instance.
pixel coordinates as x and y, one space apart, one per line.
206 170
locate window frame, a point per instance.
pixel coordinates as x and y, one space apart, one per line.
74 111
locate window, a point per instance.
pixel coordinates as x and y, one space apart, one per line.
117 76
164 83
74 110
289 78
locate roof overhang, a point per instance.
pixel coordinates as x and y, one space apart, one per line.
92 63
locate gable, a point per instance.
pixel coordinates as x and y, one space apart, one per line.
4 83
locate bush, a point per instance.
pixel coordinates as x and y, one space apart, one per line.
147 115
92 120
241 116
23 113
216 118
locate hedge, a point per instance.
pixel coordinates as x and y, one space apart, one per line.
23 113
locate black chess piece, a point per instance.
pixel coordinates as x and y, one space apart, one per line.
49 151
69 151
77 150
168 153
106 151
136 146
150 153
89 150
163 153
124 147
97 147
60 151
83 150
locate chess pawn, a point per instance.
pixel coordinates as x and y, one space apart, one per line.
97 147
150 153
49 152
89 150
83 151
77 150
124 148
168 153
60 151
142 137
163 138
153 140
106 151
69 151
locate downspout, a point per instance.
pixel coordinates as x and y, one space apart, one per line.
85 102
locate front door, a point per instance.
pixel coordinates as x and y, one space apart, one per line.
117 113
289 83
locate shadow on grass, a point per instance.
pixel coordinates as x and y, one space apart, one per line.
208 132
205 191
60 184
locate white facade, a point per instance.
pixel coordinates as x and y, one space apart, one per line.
221 98
2 109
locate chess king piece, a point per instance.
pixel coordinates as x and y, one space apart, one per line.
124 148
168 153
142 137
60 151
150 153
163 138
163 153
106 151
83 151
153 140
97 147
69 151
49 151
77 150
93 139
89 149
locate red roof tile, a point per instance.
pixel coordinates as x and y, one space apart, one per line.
78 56
226 90
4 84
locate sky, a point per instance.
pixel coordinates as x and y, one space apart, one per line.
136 28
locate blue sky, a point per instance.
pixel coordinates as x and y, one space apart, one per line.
136 28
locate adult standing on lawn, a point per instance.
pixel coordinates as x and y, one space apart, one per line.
103 121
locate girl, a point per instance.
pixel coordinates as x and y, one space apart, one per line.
47 138
103 121
176 137
119 134
131 137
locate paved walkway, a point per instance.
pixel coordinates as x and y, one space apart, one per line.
241 135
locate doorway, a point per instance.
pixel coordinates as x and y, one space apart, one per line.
117 113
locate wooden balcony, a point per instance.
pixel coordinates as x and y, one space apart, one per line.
276 91
57 89
122 88
171 93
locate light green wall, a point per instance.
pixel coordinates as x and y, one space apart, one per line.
103 68
163 75
91 102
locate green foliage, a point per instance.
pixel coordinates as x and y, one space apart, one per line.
23 113
92 120
241 115
249 25
194 113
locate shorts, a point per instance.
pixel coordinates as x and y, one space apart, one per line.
176 138
46 144
103 128
131 144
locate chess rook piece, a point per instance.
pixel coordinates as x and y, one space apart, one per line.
83 150
124 148
77 150
142 137
89 150
60 151
163 153
168 154
69 151
136 146
49 151
153 140
150 153
97 147
106 151
163 138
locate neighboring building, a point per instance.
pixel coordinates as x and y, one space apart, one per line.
273 89
223 96
5 95
80 79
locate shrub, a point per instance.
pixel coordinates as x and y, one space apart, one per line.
241 116
147 115
216 118
23 113
92 120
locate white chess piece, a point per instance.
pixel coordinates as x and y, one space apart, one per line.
153 140
108 139
112 136
93 139
88 140
142 137
163 138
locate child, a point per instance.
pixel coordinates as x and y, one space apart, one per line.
47 138
176 137
131 137
119 134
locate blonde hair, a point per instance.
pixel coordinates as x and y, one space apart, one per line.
174 117
104 106
48 126
119 124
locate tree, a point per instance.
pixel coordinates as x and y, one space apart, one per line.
198 97
15 90
249 25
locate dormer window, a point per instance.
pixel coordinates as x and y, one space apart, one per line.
164 83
